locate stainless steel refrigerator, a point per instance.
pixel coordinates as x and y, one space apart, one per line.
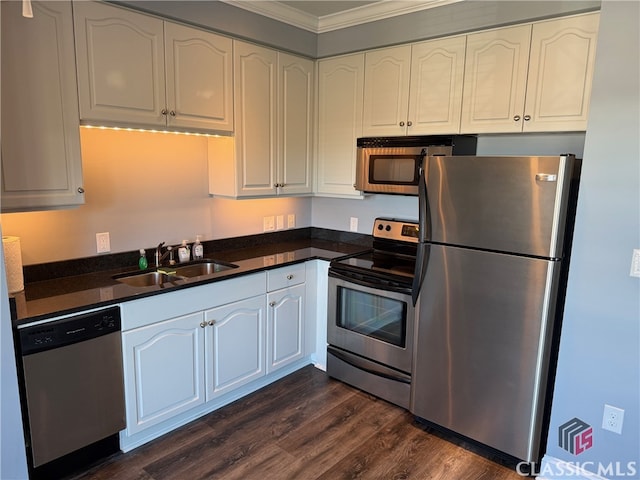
489 283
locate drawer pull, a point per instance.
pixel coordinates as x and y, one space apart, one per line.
289 277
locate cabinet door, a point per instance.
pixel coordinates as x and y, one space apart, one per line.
560 72
340 97
295 138
255 91
41 161
437 75
163 370
495 80
120 58
285 335
386 91
199 78
235 345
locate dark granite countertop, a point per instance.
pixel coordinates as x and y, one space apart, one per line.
68 294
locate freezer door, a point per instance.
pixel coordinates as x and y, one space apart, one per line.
507 204
482 346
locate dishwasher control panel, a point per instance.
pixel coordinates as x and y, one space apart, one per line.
57 333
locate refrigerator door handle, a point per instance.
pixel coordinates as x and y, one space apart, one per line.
422 261
423 204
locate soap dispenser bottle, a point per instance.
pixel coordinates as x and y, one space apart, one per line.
198 250
183 252
142 261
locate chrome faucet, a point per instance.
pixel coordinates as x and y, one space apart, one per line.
159 256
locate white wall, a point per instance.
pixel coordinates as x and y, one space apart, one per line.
599 358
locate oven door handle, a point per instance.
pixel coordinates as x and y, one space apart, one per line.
370 284
369 367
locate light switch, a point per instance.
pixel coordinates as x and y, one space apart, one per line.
279 222
269 224
635 263
291 220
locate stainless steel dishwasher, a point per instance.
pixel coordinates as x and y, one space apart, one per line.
73 382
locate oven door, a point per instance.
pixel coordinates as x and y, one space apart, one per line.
371 319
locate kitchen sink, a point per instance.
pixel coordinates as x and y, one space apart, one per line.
174 273
202 267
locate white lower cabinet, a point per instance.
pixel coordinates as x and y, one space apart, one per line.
163 370
235 337
191 351
285 336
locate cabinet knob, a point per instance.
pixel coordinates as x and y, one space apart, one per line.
527 118
289 277
517 118
212 323
80 190
164 111
172 113
276 185
272 304
401 124
203 324
409 123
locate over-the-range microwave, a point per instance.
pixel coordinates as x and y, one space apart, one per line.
392 164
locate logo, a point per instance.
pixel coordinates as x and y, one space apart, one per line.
575 436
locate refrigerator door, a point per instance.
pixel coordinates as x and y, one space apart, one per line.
507 204
484 331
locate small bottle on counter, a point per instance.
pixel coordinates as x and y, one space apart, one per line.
198 250
142 261
183 252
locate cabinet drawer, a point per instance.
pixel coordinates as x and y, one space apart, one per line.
285 277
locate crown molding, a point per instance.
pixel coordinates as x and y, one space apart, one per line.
348 18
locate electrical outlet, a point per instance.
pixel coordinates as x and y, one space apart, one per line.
268 224
103 243
353 224
291 221
279 222
612 419
635 263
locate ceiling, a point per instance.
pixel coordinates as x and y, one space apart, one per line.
320 16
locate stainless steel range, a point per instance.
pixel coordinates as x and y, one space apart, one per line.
371 318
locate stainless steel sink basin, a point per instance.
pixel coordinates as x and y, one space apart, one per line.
202 267
174 273
145 279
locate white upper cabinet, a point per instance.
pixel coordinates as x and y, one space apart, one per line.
414 89
530 78
295 123
271 153
560 73
437 76
386 91
340 100
134 69
41 160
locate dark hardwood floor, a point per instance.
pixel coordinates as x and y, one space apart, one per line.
305 426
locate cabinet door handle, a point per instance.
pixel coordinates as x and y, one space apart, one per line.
212 323
289 277
80 190
401 124
272 304
203 324
527 118
409 123
164 111
172 113
517 118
